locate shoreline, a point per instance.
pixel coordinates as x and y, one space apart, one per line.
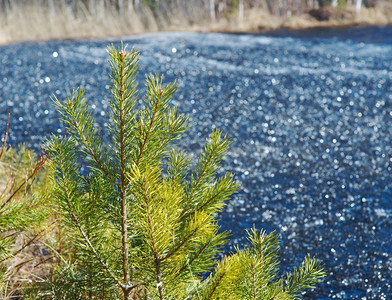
276 32
255 21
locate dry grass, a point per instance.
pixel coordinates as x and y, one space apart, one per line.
23 259
35 21
256 20
32 264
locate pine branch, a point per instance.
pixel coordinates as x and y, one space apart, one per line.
215 149
254 283
40 163
198 182
217 283
157 260
174 129
305 277
149 128
177 166
72 111
222 281
76 219
182 243
203 248
221 191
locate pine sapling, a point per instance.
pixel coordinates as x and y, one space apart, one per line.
142 219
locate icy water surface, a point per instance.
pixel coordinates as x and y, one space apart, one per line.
310 119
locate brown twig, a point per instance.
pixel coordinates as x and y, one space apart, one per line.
5 135
40 163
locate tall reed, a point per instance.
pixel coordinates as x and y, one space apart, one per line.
48 19
57 19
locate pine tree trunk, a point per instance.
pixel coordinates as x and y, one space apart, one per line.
123 188
126 293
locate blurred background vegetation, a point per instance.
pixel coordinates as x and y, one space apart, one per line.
50 19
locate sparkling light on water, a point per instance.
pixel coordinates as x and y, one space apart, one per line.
310 120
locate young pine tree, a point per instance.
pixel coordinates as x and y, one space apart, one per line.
143 223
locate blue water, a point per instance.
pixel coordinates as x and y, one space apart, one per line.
310 115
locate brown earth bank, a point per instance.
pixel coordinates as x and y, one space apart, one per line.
31 23
255 21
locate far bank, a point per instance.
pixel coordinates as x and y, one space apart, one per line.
33 22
